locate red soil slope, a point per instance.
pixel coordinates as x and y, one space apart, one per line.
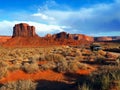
38 41
4 39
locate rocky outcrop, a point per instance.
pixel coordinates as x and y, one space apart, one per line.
64 35
48 36
61 35
23 30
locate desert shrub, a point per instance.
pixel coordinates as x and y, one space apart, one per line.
3 69
106 78
118 60
101 52
49 57
42 57
69 58
100 60
115 82
62 66
105 82
78 53
86 52
13 61
83 87
35 58
70 66
66 52
74 65
110 55
14 67
19 85
48 65
92 58
30 68
100 82
54 57
82 66
79 58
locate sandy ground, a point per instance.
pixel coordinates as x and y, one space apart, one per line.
41 75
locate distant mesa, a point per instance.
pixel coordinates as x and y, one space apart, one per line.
23 30
79 37
61 35
101 39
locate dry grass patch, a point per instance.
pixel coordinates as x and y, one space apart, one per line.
19 85
3 69
30 68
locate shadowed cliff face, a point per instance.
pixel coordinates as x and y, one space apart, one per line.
23 30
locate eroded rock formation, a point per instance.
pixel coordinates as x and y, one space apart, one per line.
23 30
64 35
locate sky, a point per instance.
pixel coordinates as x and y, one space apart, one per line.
90 17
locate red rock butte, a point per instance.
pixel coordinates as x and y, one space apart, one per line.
23 30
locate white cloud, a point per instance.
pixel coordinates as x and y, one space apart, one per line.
6 27
43 16
95 19
48 4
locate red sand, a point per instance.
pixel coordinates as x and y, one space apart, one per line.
20 75
4 39
41 75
